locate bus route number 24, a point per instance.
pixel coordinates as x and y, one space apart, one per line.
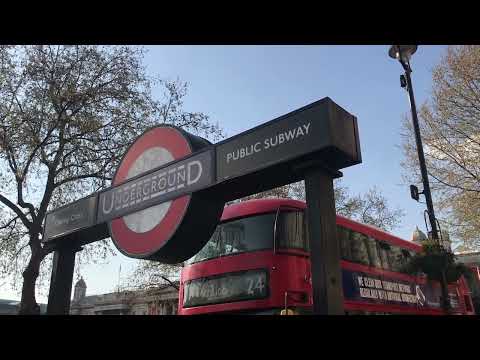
256 285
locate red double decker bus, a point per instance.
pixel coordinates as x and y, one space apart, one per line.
257 262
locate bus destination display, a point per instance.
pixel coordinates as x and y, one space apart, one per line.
238 286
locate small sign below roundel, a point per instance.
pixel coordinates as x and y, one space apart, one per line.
174 230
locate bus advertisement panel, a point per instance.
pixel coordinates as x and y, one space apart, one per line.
368 288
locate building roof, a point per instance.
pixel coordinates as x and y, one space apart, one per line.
418 236
119 296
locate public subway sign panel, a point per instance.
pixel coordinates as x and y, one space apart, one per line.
289 135
168 193
324 126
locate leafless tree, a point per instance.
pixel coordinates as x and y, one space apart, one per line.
67 114
149 275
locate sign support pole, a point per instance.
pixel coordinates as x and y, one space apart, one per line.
61 281
324 248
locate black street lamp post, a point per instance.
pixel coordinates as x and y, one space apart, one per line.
403 53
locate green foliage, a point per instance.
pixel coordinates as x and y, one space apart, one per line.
432 260
450 126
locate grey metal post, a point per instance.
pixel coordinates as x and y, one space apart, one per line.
61 281
324 248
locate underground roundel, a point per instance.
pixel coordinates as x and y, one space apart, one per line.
174 230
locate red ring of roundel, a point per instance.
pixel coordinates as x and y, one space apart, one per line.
138 244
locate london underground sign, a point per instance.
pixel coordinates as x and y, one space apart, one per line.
168 193
161 186
149 212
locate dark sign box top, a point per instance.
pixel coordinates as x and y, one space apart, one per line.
341 127
333 107
333 139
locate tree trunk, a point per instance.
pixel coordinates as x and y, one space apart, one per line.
28 304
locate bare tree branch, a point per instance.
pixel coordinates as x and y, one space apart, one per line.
16 210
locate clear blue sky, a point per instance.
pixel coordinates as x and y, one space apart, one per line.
244 86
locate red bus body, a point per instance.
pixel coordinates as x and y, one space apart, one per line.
472 260
289 271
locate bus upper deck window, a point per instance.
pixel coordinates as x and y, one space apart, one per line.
397 258
358 243
291 230
383 249
373 254
237 236
343 239
353 246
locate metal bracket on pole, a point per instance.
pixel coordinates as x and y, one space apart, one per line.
315 164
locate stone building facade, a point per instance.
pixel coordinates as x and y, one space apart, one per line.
159 301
